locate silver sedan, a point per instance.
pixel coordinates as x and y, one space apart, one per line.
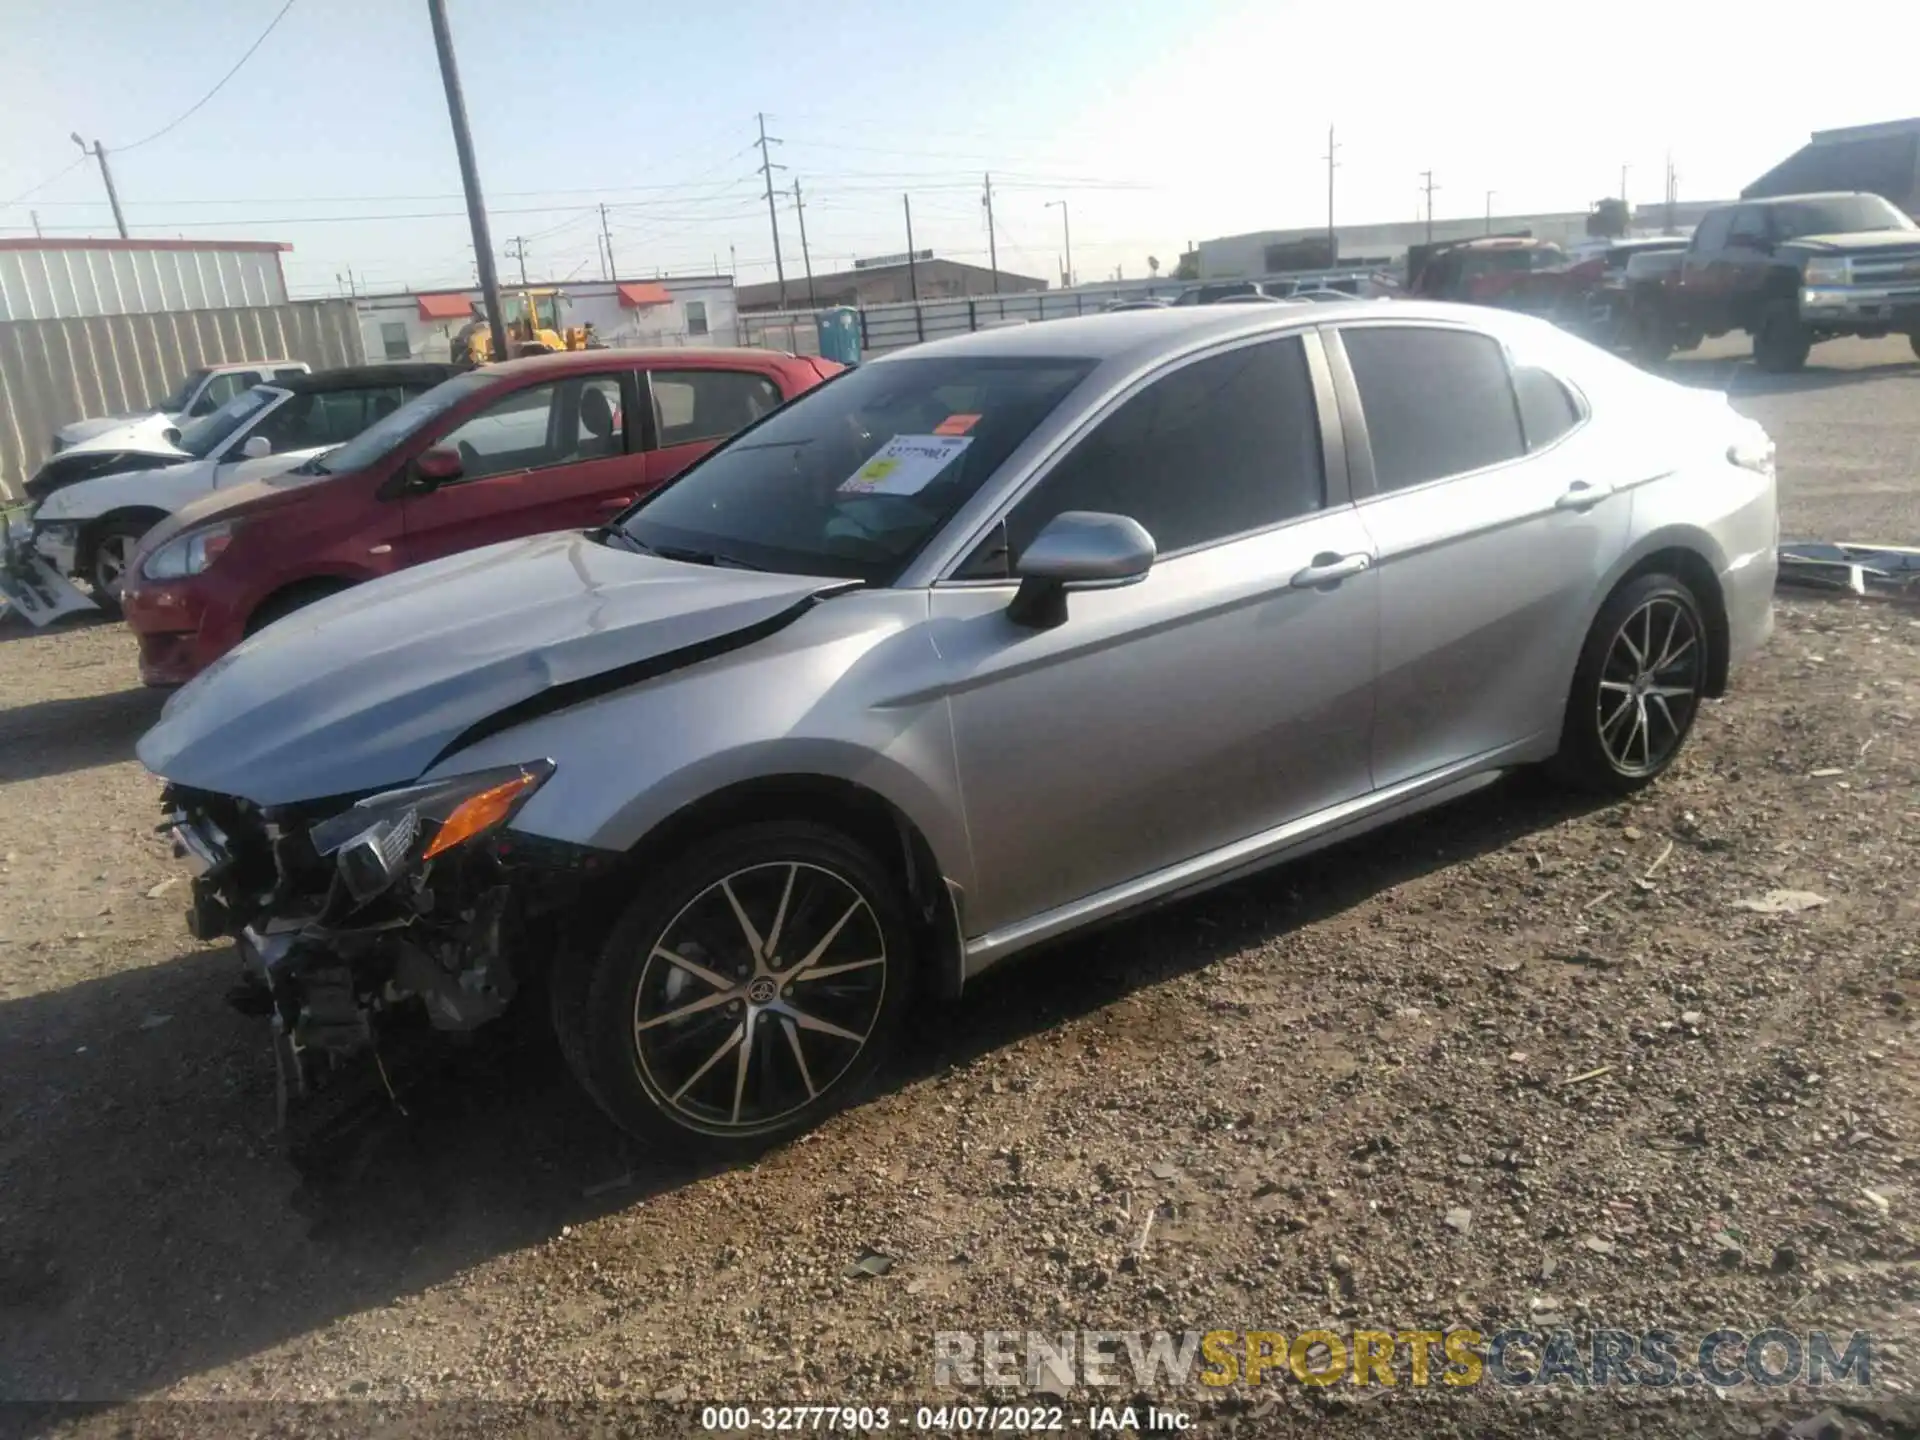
976 645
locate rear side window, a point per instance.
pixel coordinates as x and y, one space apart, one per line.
691 405
1219 447
1547 411
1437 402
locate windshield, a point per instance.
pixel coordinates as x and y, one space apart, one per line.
1837 215
177 401
204 436
377 439
854 478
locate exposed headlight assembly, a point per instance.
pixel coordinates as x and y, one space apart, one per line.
190 553
383 837
1829 270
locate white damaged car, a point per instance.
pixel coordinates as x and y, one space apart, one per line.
94 501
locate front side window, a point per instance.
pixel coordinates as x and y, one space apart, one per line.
1437 402
1217 448
222 388
855 477
1749 227
202 437
541 426
690 405
1712 231
176 401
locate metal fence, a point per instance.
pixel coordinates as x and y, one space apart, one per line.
54 371
895 326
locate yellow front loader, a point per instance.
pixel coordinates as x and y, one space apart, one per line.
533 328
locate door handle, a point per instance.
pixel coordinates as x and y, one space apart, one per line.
1328 569
1582 495
616 502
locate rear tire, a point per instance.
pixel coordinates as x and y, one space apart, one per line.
1914 341
1781 344
732 1048
1636 689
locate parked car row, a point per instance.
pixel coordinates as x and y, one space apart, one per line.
982 642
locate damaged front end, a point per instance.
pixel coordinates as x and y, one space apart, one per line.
361 922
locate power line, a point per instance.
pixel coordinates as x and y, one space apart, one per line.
33 190
217 87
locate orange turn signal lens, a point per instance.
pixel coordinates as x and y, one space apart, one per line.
478 814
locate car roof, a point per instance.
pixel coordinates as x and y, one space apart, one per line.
352 377
1792 199
1140 335
692 357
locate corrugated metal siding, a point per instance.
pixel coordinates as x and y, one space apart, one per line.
54 371
56 283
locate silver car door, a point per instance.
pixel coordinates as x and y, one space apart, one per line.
1228 691
1488 552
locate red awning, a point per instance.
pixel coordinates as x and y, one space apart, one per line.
644 293
445 307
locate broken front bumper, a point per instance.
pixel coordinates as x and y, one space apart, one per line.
32 584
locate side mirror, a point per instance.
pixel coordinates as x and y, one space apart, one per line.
436 467
257 447
1078 550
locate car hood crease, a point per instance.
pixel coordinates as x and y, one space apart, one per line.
369 688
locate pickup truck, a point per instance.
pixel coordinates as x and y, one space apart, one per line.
1789 271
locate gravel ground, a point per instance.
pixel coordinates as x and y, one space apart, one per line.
1520 1058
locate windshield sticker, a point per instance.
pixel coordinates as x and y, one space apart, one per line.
905 465
956 425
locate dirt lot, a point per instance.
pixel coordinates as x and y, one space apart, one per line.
1519 1058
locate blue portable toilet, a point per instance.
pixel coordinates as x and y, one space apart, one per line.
840 334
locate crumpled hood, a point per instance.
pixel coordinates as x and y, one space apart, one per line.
365 689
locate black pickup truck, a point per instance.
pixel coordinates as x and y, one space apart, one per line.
1789 271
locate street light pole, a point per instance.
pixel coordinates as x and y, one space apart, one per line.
469 177
1066 230
99 152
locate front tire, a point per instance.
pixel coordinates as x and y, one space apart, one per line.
1914 341
749 991
1636 689
110 555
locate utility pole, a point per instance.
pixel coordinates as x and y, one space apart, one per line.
1066 227
993 245
469 176
1333 243
913 273
517 250
35 214
1673 191
613 272
1426 178
1623 183
806 256
1490 195
767 167
99 152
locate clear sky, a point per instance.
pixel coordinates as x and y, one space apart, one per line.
1158 124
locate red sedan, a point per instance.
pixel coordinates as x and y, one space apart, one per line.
552 442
